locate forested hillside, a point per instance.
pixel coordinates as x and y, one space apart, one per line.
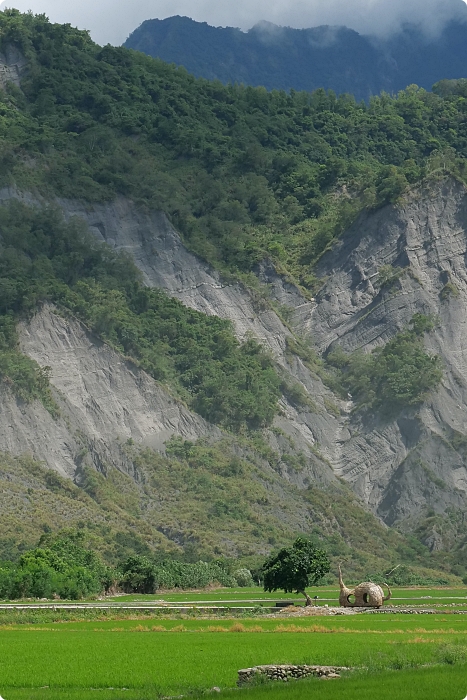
330 57
242 172
254 181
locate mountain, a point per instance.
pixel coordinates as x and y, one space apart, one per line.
283 58
228 316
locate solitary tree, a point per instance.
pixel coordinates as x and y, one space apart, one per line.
296 567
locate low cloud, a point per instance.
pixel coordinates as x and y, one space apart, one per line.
111 21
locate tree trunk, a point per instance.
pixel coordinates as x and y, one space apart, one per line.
308 599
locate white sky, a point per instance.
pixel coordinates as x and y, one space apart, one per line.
111 21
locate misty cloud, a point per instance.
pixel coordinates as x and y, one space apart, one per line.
111 21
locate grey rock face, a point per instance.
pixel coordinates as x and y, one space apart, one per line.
103 399
398 467
12 66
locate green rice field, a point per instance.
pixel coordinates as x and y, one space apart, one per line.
411 657
256 596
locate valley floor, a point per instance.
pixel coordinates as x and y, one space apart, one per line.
393 655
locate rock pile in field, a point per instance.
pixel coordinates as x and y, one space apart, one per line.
287 672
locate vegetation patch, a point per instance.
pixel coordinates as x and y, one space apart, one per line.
449 290
45 259
393 376
242 172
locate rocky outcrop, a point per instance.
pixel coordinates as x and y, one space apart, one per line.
12 66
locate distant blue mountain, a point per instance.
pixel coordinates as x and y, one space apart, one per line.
283 58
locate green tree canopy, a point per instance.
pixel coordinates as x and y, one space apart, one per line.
395 375
139 575
295 568
61 566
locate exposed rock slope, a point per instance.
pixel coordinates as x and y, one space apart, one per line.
398 467
401 467
165 262
12 66
104 401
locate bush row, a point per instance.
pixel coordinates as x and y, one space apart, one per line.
64 568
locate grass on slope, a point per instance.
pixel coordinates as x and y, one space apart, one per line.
241 507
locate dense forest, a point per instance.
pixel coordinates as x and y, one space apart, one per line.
330 57
243 173
64 566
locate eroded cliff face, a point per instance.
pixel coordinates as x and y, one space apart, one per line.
165 262
398 467
401 467
418 459
104 401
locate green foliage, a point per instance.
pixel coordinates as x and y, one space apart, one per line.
177 574
138 575
45 259
449 290
387 275
395 375
243 173
243 577
64 569
296 567
20 373
141 575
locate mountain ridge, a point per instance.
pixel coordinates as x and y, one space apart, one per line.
283 58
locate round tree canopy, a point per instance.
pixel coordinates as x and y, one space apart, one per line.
294 568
